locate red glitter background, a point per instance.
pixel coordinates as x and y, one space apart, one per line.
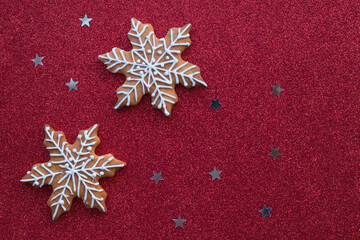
242 48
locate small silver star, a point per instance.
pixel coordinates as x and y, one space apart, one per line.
85 21
276 90
274 153
37 60
265 211
72 85
215 174
179 222
157 177
215 104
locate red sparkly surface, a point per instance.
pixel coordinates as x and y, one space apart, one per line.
242 48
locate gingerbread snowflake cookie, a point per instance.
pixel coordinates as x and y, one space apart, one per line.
73 170
153 66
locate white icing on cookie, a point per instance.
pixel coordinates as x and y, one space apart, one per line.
152 72
75 171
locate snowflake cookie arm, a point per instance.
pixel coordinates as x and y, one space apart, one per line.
130 93
139 35
163 97
93 195
90 168
89 174
185 73
177 40
57 145
62 197
45 173
119 61
88 163
41 174
101 166
85 144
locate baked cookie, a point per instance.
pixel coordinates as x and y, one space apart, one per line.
73 170
153 66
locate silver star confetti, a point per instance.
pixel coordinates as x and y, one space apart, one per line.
215 104
265 211
179 222
85 21
72 85
157 177
215 174
276 90
274 153
37 60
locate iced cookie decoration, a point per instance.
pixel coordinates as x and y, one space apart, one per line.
153 66
73 170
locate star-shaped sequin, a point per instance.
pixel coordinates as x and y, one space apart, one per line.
179 222
215 104
85 21
215 174
37 60
274 153
72 85
265 211
276 90
157 177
